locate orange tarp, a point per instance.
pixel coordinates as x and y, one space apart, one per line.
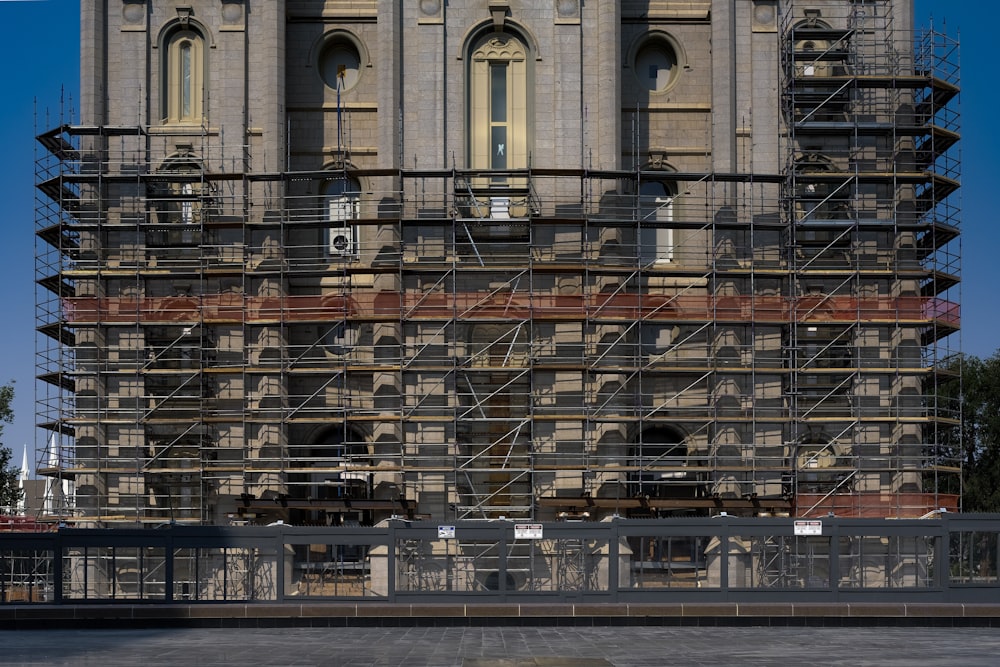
874 505
236 308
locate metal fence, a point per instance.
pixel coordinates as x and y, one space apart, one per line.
950 558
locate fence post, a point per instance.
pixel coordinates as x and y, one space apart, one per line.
502 560
57 578
834 582
279 538
613 556
390 562
942 566
168 566
724 556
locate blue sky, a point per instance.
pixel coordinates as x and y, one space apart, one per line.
41 48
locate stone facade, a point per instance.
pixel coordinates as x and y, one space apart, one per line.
328 262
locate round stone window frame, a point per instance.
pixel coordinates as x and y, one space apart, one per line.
668 44
334 40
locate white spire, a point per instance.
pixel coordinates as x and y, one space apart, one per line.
22 503
51 485
68 494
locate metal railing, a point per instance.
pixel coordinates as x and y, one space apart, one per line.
942 558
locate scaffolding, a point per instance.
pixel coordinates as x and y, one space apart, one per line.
218 344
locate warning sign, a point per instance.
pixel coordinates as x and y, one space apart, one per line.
527 531
814 527
446 532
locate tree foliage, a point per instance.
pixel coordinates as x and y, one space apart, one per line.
10 494
980 433
974 385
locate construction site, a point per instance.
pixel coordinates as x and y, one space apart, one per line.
736 304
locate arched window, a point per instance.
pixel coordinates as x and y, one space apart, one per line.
656 210
498 102
339 340
180 196
819 192
656 65
819 465
815 54
183 76
341 198
656 338
327 472
819 53
659 456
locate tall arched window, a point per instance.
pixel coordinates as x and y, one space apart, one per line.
657 456
183 77
498 102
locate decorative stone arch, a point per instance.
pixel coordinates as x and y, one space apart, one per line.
185 22
487 26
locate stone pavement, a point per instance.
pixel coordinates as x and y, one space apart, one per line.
551 646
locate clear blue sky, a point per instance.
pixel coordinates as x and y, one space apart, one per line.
40 51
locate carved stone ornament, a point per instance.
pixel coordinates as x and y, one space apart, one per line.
134 12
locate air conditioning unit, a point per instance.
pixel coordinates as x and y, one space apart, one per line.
342 241
342 238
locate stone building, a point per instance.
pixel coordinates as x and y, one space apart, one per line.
327 262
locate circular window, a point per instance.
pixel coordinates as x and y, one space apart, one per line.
492 581
340 64
657 339
339 339
656 65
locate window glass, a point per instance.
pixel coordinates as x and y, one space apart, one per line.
498 92
656 238
186 82
656 65
340 65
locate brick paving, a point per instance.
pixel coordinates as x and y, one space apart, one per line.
550 646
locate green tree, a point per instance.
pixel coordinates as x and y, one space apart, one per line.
980 433
10 494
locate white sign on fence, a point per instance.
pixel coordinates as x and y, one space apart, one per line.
446 532
814 527
527 531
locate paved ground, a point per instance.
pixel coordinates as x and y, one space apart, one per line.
507 647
